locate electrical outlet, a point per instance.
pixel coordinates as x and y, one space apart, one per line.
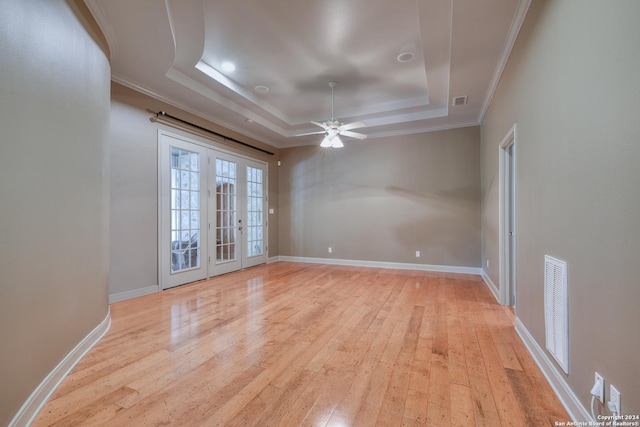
598 387
487 263
417 254
330 250
614 400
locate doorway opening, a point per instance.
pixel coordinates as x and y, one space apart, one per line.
507 218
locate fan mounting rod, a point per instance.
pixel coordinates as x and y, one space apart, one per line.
332 85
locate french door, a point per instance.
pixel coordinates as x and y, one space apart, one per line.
238 231
182 211
211 211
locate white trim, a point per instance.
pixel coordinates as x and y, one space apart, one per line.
139 88
557 380
492 286
106 28
380 264
512 35
32 406
134 293
422 129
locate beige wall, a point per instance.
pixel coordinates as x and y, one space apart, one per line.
572 86
134 179
54 114
384 199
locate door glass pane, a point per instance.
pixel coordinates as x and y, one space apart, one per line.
185 210
254 211
226 215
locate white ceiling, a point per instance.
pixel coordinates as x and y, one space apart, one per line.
174 50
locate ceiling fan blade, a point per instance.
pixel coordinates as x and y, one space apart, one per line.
311 133
350 126
353 134
322 125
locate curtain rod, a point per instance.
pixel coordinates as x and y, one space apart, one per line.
226 138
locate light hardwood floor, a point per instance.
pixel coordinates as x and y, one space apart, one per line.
289 344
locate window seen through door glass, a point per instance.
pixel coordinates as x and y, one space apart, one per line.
185 210
254 212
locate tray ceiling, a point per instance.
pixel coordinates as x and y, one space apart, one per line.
286 52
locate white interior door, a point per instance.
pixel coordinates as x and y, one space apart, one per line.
238 228
182 211
255 224
226 219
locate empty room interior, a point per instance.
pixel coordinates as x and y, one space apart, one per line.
331 213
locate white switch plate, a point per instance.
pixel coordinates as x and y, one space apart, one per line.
330 249
417 254
271 211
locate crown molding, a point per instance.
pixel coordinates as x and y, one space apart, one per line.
514 30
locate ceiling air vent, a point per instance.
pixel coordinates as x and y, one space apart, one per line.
459 100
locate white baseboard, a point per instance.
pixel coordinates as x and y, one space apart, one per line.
569 400
121 296
492 286
380 264
32 406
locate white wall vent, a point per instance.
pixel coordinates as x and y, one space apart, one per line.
555 310
459 100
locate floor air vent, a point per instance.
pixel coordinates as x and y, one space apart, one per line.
555 310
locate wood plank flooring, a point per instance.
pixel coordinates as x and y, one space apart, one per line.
290 344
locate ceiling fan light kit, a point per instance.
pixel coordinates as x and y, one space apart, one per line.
331 139
333 129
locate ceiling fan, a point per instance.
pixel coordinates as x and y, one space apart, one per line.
333 129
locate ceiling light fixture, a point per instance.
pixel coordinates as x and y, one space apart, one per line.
407 52
405 56
261 89
326 142
332 139
228 67
337 142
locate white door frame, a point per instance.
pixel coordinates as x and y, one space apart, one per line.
507 201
